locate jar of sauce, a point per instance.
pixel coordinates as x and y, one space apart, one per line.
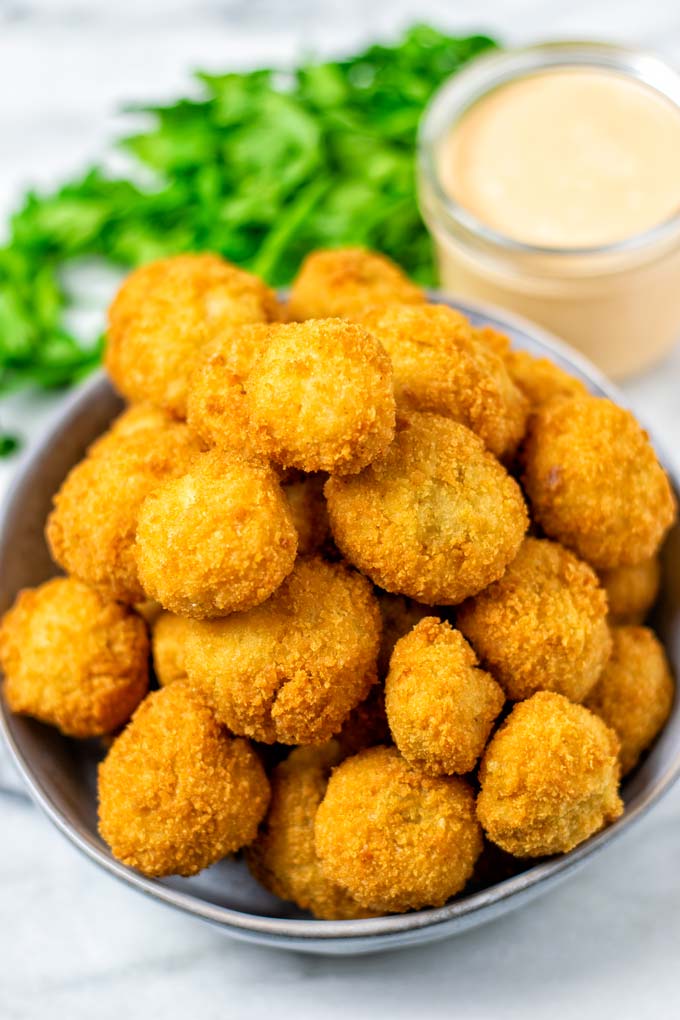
549 178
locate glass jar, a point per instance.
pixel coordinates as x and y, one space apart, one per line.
618 303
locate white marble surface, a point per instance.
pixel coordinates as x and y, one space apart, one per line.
73 943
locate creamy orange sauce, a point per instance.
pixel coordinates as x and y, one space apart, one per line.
566 158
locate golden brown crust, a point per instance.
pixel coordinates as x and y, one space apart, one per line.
395 839
283 857
399 616
310 516
437 518
440 367
293 668
635 693
549 778
176 792
73 658
631 591
319 397
441 706
492 338
540 379
219 539
170 637
543 625
346 281
166 312
594 481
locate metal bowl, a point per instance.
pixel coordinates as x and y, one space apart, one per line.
60 773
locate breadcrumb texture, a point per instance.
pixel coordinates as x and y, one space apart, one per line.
543 625
399 616
292 669
366 725
307 505
73 658
440 367
441 706
540 379
166 312
492 338
549 778
394 838
320 397
635 693
344 282
594 482
283 857
631 591
177 792
170 638
437 518
217 540
91 530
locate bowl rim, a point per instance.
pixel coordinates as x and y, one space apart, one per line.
373 933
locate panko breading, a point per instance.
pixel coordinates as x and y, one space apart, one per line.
439 367
170 637
292 669
492 338
549 778
217 540
346 281
399 616
437 518
394 838
543 625
283 857
540 379
166 312
594 482
441 706
138 418
319 397
176 791
631 591
635 693
310 516
73 658
91 530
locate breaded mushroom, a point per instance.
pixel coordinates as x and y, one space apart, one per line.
440 367
283 857
166 312
441 706
399 616
635 693
631 591
549 778
138 418
308 509
540 379
292 669
176 791
91 530
217 540
319 397
345 281
492 338
170 637
594 482
366 725
73 658
543 625
394 838
437 518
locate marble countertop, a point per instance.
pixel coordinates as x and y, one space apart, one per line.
74 943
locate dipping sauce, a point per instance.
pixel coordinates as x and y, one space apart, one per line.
554 191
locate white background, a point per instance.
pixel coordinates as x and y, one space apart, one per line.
73 943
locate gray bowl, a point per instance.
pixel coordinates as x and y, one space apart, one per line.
60 773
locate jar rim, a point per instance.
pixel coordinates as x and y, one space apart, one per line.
490 71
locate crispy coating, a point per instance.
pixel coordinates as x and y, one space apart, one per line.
399 616
176 791
631 591
394 838
138 418
73 658
91 530
492 338
320 397
366 725
283 857
219 539
346 281
308 509
437 518
293 668
166 312
635 693
440 367
543 625
170 637
540 379
549 778
441 706
594 482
